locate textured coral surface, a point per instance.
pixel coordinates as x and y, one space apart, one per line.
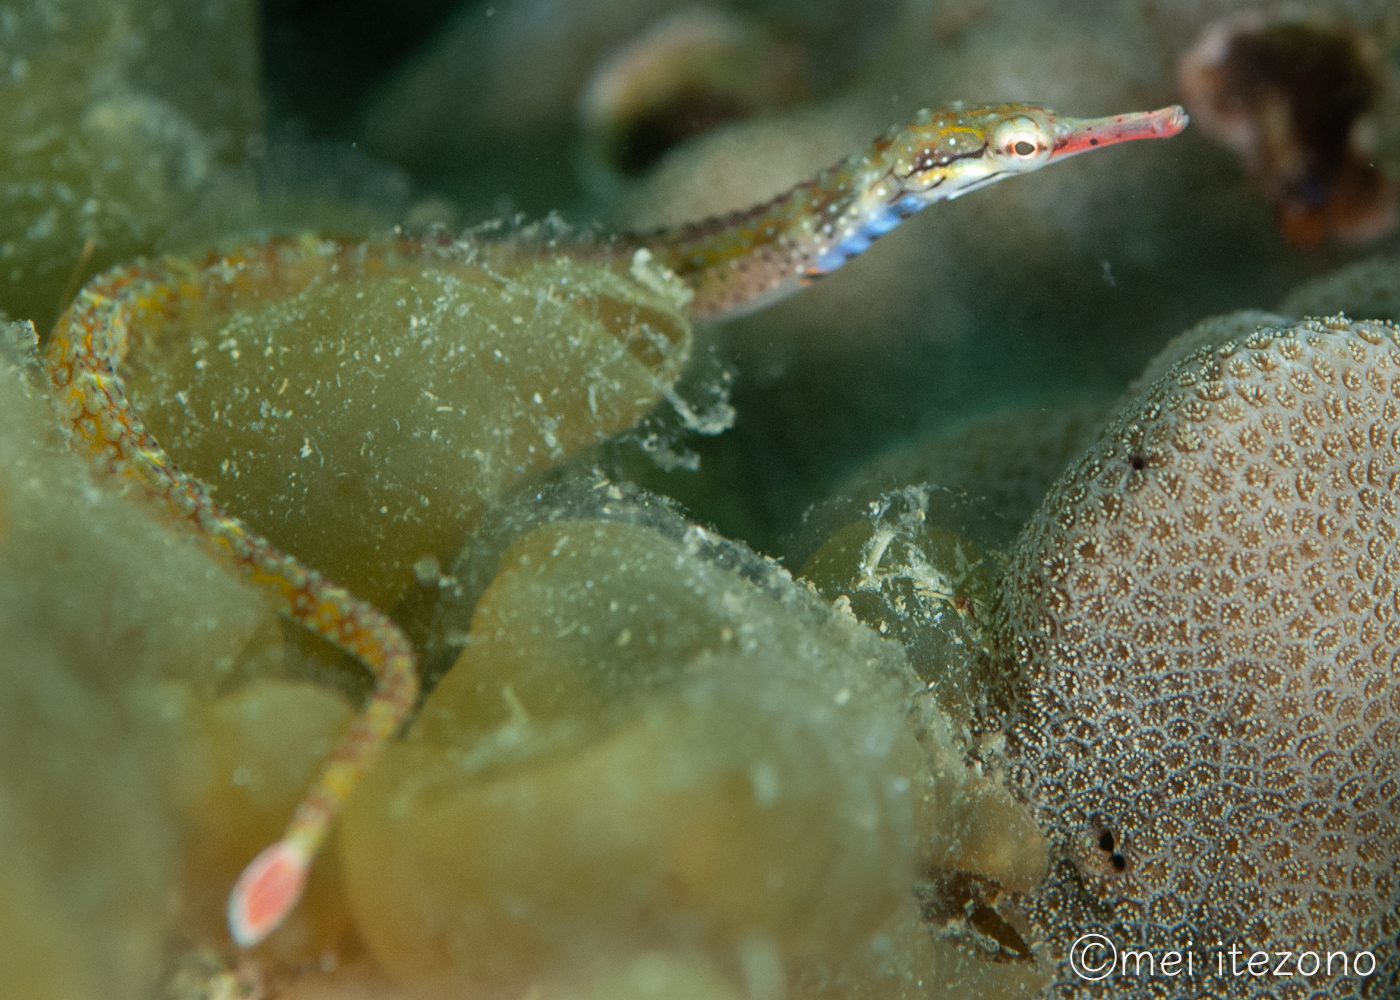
1203 624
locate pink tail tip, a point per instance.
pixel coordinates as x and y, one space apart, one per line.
265 893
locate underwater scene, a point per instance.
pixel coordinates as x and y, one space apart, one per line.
695 500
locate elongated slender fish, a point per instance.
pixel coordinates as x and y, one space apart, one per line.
740 263
733 265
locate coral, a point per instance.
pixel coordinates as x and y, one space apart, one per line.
1369 289
615 771
1202 638
925 586
1286 96
527 63
621 761
146 302
701 178
998 464
118 118
685 74
98 604
931 590
365 415
498 58
238 765
1210 332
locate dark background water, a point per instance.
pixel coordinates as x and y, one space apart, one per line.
321 57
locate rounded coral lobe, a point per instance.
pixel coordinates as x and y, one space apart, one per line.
1202 623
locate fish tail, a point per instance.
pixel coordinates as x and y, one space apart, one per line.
84 352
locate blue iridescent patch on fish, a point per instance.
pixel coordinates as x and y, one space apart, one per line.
880 221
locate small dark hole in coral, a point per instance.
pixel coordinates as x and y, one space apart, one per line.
1093 142
1137 462
1106 840
1118 862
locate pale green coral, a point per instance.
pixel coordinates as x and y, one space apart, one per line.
637 749
97 601
364 425
653 742
116 116
928 587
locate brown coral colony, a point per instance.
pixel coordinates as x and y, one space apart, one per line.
1286 97
1205 637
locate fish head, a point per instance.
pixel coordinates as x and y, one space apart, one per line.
952 151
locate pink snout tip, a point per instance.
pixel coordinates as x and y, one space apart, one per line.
1167 122
265 893
1084 134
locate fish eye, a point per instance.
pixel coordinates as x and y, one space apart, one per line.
1020 138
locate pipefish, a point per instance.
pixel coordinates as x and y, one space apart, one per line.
732 265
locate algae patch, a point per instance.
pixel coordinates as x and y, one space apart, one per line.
119 119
